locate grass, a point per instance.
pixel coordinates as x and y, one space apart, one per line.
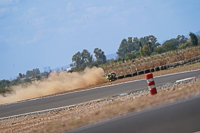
139 64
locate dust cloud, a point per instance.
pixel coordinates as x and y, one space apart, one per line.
55 83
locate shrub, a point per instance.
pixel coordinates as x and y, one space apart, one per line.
185 45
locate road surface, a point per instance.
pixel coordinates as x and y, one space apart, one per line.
179 117
84 96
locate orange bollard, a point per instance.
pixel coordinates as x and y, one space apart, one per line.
151 83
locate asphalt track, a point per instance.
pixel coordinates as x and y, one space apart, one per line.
83 96
179 117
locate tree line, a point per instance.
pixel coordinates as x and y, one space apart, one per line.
148 45
22 78
84 59
132 48
129 49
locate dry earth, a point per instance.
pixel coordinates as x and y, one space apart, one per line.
98 110
91 112
158 73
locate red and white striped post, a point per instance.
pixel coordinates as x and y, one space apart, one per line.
151 83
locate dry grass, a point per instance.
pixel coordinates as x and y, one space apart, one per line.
158 73
64 120
139 64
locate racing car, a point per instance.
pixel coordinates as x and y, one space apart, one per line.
111 76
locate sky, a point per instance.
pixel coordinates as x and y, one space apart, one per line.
47 33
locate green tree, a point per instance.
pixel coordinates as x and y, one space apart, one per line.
122 51
141 50
198 37
131 56
170 45
4 83
146 51
130 45
100 56
27 80
149 45
152 39
87 58
158 50
77 58
82 60
32 73
16 81
136 43
182 39
194 40
20 75
126 47
185 45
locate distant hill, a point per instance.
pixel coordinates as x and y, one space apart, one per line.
198 33
111 56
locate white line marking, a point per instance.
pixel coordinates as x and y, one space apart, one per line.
185 79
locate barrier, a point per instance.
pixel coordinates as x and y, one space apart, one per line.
147 71
171 65
151 83
128 75
140 72
157 69
152 70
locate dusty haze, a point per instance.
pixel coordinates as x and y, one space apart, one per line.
56 83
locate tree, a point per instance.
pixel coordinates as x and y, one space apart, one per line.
87 58
194 40
32 73
136 43
126 47
170 45
130 56
146 51
153 41
4 83
100 56
185 45
72 64
149 44
150 38
141 50
82 60
27 80
15 82
77 59
130 45
158 50
122 51
20 75
182 39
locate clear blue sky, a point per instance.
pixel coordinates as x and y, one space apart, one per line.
41 33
